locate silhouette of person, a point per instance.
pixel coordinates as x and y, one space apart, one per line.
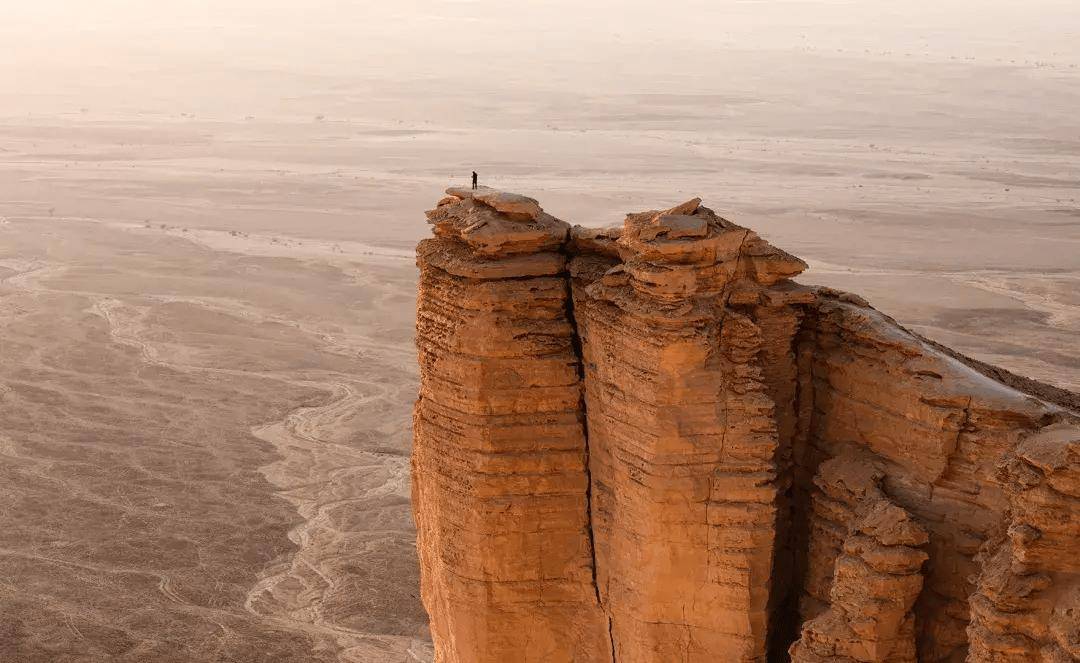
474 179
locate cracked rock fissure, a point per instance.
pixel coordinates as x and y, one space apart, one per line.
648 444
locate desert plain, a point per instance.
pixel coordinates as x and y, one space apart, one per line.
207 288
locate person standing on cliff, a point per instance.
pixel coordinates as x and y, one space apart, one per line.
475 177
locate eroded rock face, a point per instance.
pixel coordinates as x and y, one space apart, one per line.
499 478
1027 602
877 574
940 428
647 444
682 434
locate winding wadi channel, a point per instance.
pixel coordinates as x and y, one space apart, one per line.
200 364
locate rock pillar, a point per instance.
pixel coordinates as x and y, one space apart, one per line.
500 488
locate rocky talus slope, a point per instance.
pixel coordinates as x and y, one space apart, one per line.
648 444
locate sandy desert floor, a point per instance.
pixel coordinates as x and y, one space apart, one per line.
204 452
206 300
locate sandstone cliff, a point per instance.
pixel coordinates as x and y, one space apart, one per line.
500 486
648 444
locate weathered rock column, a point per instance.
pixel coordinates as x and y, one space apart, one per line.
867 550
682 432
938 428
1026 607
499 476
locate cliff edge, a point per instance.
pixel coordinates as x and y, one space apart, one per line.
648 444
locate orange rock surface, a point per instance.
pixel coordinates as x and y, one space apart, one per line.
499 478
877 573
648 444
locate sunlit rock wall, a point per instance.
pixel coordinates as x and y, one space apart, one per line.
683 436
499 466
646 444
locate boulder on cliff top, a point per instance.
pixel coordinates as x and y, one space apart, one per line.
690 233
500 201
496 224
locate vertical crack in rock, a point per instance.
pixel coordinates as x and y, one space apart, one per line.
785 627
590 247
588 471
779 314
648 443
611 639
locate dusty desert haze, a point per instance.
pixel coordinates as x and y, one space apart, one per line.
207 220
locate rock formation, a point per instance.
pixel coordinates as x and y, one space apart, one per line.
500 487
877 575
683 437
648 444
1027 601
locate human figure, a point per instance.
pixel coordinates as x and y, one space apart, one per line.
474 179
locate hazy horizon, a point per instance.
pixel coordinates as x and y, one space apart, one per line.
236 58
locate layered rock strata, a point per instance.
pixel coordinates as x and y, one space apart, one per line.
877 575
499 478
648 444
683 437
1027 601
940 429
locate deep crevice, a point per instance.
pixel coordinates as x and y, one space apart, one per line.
576 343
785 622
611 637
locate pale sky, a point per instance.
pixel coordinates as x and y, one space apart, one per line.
101 52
